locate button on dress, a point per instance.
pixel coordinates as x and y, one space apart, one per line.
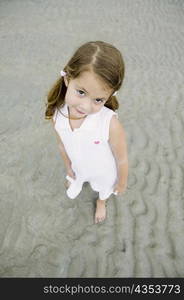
89 151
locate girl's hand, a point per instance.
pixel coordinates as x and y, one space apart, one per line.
119 189
71 173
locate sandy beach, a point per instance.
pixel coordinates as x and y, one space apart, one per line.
43 233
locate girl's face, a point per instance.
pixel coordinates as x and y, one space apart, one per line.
86 94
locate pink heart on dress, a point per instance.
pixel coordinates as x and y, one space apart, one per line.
96 142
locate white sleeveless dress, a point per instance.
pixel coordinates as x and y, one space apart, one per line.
89 151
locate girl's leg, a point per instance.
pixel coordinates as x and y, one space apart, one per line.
100 213
69 180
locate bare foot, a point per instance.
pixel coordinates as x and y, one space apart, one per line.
100 213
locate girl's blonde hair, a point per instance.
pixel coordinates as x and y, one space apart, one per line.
100 57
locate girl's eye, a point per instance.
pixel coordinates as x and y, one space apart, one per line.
80 92
99 100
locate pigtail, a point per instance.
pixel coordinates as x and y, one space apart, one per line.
112 103
55 98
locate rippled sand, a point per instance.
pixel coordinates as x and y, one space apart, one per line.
44 233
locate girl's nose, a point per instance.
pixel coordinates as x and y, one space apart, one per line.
86 106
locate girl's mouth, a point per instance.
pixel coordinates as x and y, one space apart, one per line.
80 112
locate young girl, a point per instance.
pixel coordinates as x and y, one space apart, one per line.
91 139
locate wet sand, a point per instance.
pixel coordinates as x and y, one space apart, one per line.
43 233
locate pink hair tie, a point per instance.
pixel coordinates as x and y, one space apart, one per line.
63 73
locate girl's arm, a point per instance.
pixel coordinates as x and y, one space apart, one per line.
117 141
